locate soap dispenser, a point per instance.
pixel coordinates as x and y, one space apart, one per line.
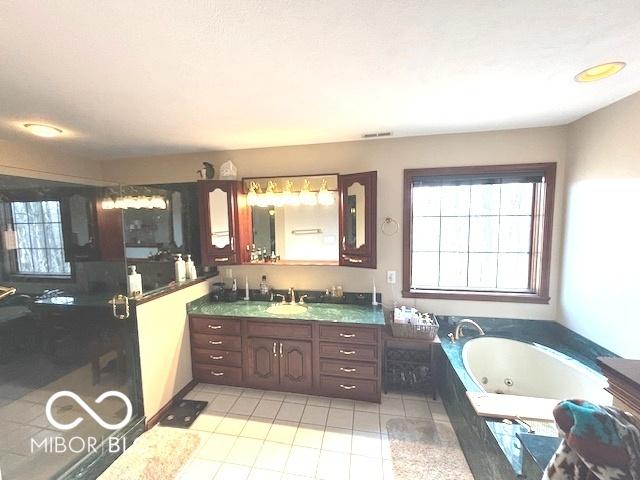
134 282
180 269
190 269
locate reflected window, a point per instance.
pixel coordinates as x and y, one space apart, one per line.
39 245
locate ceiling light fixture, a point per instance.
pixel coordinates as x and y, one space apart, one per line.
41 130
599 72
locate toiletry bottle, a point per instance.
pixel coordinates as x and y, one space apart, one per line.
264 286
134 282
234 286
180 269
339 291
190 268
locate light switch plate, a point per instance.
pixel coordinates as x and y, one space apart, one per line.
391 276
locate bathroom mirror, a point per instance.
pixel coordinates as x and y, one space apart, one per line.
79 225
355 234
358 192
219 218
294 219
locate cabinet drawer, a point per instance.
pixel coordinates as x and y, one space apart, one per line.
217 357
337 333
217 374
215 326
349 388
348 369
278 330
216 342
348 351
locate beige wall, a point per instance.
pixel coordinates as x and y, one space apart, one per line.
601 262
44 161
389 157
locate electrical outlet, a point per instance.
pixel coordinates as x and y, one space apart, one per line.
391 276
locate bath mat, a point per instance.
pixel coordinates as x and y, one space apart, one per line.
425 450
158 454
183 413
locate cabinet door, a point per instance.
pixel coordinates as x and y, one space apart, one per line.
218 221
295 365
262 362
358 217
79 226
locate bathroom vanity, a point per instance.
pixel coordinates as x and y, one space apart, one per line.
332 350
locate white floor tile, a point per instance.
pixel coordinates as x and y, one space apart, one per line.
244 451
319 401
333 466
199 469
366 421
244 406
232 425
392 406
217 447
252 392
222 403
417 408
386 447
202 396
256 428
387 470
267 408
229 471
296 398
207 421
337 440
210 387
282 432
262 474
315 415
368 444
269 395
303 461
228 390
340 418
291 412
309 436
342 403
367 407
365 468
438 412
273 456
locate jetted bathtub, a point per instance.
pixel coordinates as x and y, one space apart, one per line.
500 365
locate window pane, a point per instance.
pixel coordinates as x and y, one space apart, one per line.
37 235
485 199
516 198
515 234
22 234
483 236
56 261
40 264
513 270
34 210
454 234
54 235
25 264
19 210
453 269
426 234
424 271
483 268
51 211
455 200
426 201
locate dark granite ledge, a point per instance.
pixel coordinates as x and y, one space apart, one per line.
537 453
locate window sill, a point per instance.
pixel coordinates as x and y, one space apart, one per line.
478 296
16 277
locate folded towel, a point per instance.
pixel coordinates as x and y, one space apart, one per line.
600 443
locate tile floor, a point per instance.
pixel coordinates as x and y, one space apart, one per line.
260 435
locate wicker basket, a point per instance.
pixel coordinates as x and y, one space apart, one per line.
422 332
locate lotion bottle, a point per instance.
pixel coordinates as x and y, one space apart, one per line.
180 269
190 268
134 282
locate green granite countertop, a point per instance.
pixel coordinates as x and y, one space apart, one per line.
323 312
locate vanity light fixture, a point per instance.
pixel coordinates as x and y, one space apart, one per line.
599 72
307 197
252 196
289 197
155 201
325 197
41 130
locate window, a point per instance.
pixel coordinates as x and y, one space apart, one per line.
39 241
481 233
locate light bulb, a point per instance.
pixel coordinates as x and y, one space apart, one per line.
325 197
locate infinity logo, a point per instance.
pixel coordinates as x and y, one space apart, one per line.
88 409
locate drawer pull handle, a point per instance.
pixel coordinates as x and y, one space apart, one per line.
274 349
347 335
281 350
215 342
347 387
347 370
221 259
216 374
348 352
353 260
216 357
215 327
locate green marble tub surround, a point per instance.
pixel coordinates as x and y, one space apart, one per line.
324 312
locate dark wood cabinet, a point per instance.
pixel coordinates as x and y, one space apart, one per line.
278 364
295 366
358 218
262 364
224 221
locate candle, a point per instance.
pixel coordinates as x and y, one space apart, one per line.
374 300
246 288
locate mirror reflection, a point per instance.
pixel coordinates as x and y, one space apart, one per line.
294 219
219 211
356 216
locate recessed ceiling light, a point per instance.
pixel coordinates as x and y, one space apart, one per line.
43 130
599 72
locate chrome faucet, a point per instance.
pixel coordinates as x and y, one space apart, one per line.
301 299
457 333
292 292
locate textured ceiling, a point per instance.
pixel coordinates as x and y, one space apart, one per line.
150 77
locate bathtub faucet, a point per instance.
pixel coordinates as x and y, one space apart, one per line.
457 333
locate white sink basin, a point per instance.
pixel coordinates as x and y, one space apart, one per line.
284 309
